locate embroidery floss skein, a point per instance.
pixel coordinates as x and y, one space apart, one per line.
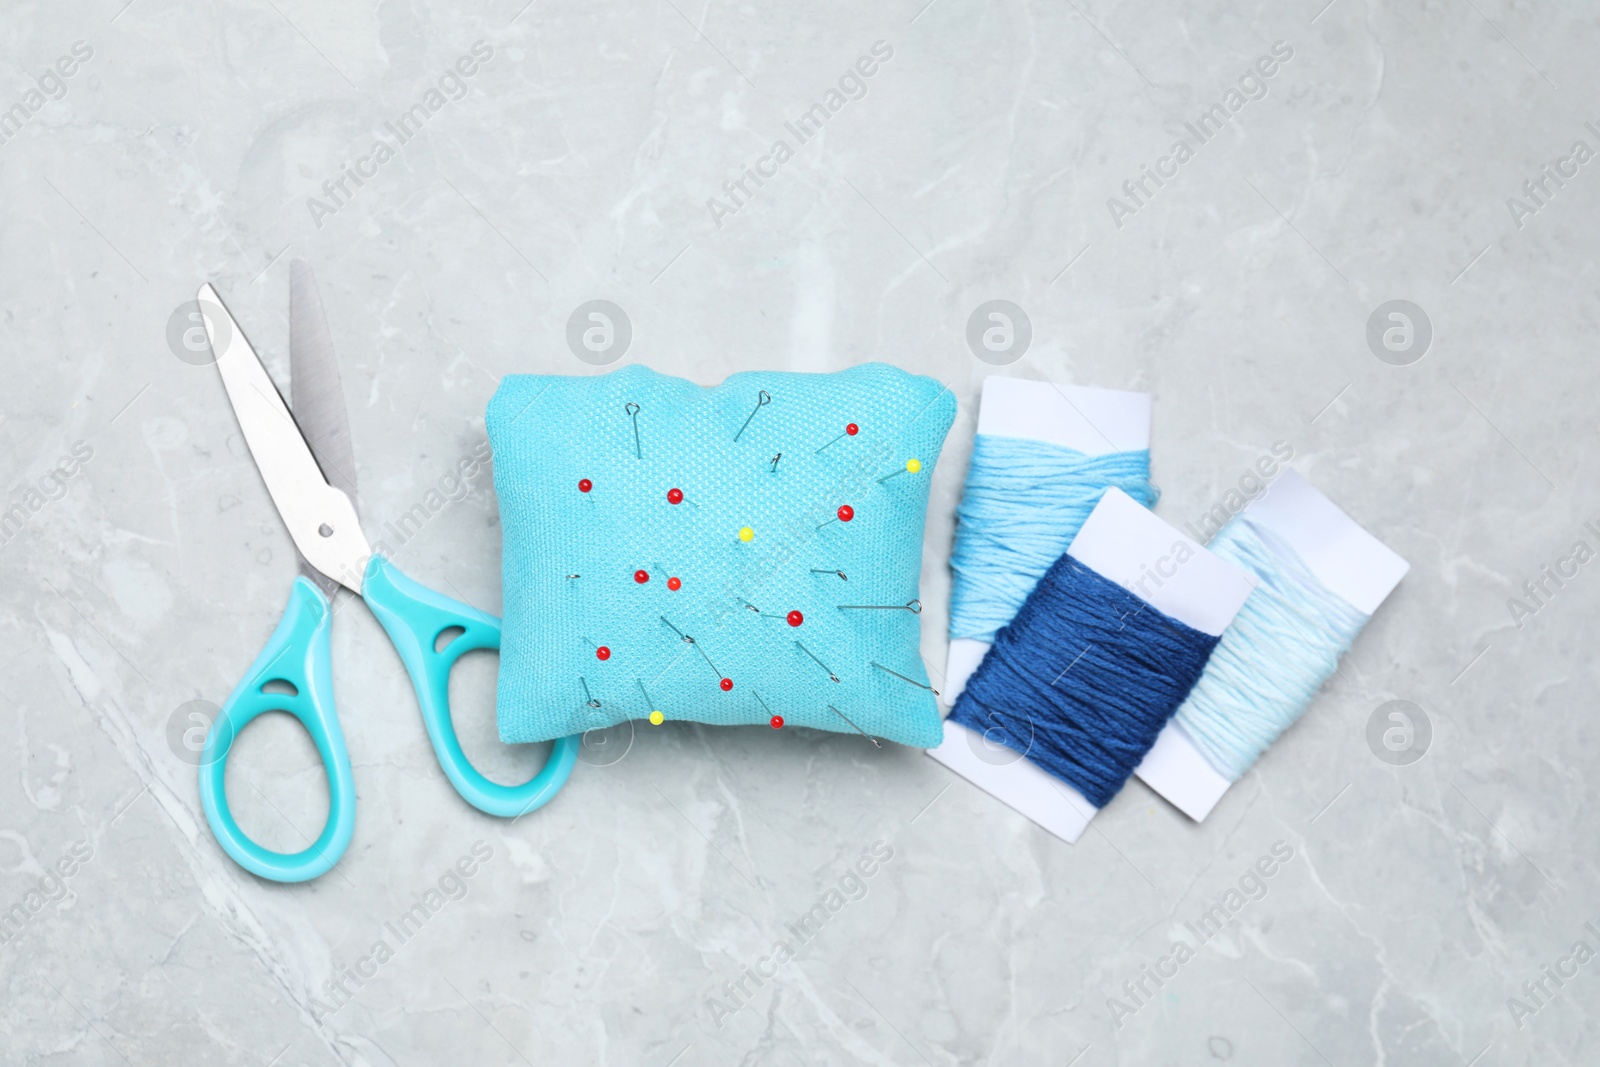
1024 502
1283 645
1083 679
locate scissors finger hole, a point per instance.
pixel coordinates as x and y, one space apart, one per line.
472 697
277 789
280 687
445 637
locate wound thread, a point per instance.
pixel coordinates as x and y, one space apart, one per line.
1083 679
1282 646
1024 502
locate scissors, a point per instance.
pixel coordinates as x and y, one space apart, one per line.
309 469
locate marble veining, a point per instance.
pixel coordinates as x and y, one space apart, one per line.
736 183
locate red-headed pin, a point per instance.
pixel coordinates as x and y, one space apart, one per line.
850 430
844 514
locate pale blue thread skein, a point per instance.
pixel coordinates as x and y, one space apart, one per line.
1024 502
1284 643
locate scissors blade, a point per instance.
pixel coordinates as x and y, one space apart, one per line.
315 389
308 504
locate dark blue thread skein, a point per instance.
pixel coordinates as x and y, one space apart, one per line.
1083 679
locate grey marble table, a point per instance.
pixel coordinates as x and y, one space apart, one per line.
538 156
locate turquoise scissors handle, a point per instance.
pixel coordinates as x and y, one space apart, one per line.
414 617
297 653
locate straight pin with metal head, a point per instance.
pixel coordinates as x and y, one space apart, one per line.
818 662
825 570
857 729
633 409
913 606
588 698
763 398
903 678
758 611
775 462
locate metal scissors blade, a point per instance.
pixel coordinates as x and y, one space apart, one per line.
319 516
315 390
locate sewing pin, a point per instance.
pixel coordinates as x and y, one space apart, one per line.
675 496
725 683
656 718
818 662
763 398
776 720
849 431
858 729
903 678
825 570
574 576
584 485
587 697
912 466
793 618
775 462
633 410
913 606
844 514
686 638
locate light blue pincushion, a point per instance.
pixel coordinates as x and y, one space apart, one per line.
571 557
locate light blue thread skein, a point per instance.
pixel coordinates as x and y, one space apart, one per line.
1023 504
1284 643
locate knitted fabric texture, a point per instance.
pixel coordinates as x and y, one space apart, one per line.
587 470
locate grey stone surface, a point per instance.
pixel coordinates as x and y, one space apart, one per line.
977 166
